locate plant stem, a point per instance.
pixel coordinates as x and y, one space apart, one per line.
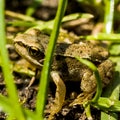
98 79
44 81
10 86
109 14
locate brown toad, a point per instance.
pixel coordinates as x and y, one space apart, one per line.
32 46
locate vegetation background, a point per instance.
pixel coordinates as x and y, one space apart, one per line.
18 16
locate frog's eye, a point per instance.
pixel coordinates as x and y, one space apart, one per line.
20 43
35 52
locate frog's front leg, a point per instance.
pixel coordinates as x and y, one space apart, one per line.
59 95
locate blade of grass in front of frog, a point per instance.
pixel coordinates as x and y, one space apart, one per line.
99 86
98 79
44 81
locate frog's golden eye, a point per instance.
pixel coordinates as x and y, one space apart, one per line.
35 52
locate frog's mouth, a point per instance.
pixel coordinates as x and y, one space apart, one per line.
22 51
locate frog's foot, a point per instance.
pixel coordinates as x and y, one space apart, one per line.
32 79
59 96
82 98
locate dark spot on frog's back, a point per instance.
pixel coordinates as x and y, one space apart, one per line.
61 48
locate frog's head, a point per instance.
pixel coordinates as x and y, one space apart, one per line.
30 47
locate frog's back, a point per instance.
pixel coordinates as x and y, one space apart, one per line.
84 50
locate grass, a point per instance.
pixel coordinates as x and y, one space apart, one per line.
44 81
8 78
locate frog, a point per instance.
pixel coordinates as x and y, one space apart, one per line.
32 46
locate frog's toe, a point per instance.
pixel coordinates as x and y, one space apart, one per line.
83 97
59 96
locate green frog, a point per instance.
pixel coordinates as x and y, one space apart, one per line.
32 46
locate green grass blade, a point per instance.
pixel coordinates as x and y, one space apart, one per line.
10 86
77 16
108 20
102 37
44 81
107 104
110 116
5 105
19 16
113 93
99 86
30 10
98 79
109 15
